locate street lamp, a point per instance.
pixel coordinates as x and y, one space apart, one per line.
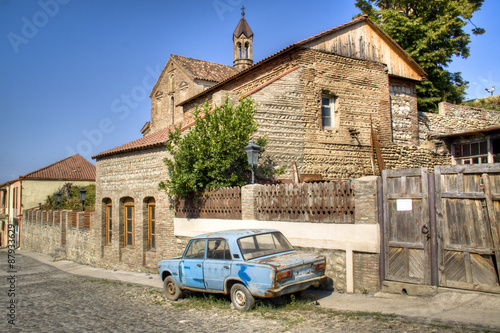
83 192
253 156
58 198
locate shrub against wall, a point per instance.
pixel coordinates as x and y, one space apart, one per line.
70 198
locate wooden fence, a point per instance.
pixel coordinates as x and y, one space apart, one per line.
224 203
330 202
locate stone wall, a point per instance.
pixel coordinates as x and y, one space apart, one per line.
54 232
133 177
404 111
288 93
455 119
166 96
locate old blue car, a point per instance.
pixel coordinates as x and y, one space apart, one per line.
243 263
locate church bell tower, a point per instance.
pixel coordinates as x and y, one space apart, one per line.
243 44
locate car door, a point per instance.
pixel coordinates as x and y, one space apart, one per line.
217 266
191 265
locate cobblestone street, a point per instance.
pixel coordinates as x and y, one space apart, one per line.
50 300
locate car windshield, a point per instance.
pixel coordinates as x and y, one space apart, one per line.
263 245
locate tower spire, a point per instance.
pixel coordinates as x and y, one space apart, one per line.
243 43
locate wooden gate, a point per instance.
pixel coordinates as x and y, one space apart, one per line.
406 226
444 237
467 205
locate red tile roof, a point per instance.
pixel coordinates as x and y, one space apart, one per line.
156 139
72 168
204 70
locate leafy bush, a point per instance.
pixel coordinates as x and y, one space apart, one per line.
70 198
211 154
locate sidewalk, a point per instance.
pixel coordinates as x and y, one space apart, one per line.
469 308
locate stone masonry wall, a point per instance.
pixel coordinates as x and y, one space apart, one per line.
164 97
360 89
48 231
134 176
288 93
404 112
455 119
366 272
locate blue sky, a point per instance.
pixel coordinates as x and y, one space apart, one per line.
76 74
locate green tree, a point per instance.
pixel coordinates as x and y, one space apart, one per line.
211 154
432 32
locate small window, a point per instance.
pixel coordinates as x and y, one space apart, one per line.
109 222
196 250
129 224
471 152
218 249
327 112
152 225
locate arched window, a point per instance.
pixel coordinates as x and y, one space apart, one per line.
151 224
128 219
108 220
172 108
172 83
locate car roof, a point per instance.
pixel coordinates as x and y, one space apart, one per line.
234 233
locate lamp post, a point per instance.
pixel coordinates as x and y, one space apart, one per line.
253 156
58 198
83 193
491 90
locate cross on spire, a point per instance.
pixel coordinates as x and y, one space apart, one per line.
242 11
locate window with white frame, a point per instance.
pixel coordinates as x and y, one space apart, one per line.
327 112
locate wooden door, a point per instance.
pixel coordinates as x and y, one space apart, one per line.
406 226
468 210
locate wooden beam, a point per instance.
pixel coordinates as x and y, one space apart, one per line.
492 216
380 160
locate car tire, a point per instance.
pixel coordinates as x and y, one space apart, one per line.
171 290
241 298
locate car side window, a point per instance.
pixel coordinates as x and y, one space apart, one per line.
196 250
218 249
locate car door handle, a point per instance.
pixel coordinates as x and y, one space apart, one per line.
199 265
226 267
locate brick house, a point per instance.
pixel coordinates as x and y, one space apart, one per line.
323 102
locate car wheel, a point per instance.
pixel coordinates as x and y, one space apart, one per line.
171 290
241 298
